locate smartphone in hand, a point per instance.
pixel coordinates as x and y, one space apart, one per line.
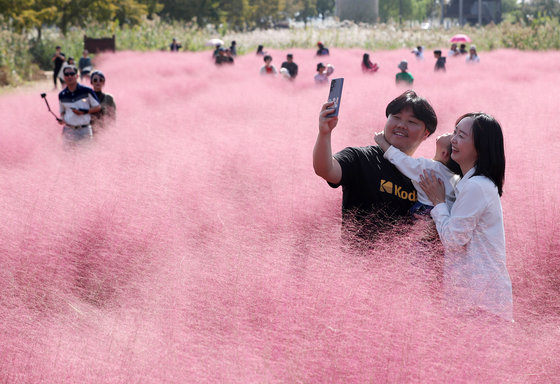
335 95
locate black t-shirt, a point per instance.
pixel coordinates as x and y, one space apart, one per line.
58 62
223 60
374 193
291 67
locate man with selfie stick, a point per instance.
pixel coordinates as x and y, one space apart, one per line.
77 102
375 195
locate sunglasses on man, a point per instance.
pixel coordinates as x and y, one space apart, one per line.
69 73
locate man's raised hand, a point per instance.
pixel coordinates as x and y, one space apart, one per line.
327 124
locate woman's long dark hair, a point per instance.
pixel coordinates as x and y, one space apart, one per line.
366 61
489 144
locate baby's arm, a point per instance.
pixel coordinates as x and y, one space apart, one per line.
408 166
382 141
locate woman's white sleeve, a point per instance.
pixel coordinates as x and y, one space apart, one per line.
456 228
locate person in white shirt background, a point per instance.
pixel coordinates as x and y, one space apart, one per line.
445 168
323 73
268 68
476 279
472 57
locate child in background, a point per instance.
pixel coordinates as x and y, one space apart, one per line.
323 73
367 65
268 68
403 75
444 167
440 61
418 52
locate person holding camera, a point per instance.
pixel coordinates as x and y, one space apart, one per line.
375 195
77 103
175 45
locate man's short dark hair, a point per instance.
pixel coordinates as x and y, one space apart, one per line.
267 57
290 56
420 107
70 68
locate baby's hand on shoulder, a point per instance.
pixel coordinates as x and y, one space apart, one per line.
381 141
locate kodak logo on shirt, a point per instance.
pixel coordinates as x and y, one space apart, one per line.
387 186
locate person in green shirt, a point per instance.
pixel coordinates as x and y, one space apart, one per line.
403 75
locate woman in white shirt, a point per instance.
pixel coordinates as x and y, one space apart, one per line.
472 57
472 232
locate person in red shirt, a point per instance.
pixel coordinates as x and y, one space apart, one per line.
268 68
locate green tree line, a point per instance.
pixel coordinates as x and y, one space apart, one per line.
236 15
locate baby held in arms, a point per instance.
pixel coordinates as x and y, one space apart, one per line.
442 165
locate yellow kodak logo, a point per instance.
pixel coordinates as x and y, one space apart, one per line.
388 187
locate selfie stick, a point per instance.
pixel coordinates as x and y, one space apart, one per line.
44 96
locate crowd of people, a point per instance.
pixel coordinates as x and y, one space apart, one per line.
382 185
454 51
289 68
440 64
83 110
221 56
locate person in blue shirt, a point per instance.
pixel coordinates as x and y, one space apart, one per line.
77 103
322 50
175 46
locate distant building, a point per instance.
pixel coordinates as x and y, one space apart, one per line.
491 11
366 11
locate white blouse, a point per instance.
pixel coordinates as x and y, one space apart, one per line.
475 271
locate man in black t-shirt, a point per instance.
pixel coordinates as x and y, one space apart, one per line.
290 66
440 61
374 193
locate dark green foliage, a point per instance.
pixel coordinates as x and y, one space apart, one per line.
41 53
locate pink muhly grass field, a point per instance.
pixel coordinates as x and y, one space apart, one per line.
192 241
